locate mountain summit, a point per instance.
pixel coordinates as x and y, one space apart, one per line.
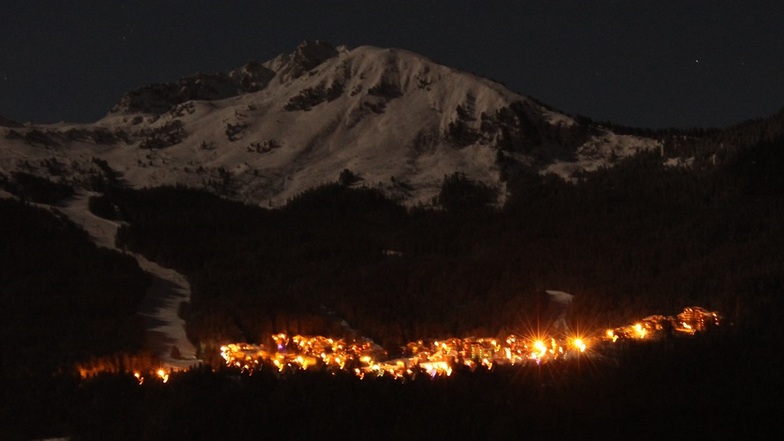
268 131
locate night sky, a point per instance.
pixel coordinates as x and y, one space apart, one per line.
646 63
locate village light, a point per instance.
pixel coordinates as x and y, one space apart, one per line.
540 351
639 331
437 357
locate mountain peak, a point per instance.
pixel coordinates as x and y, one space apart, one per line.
308 55
268 131
315 51
253 76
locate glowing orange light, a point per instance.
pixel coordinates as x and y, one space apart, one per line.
640 331
435 357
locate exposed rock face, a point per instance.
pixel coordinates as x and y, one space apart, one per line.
157 99
308 55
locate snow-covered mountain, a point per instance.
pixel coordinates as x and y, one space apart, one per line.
267 131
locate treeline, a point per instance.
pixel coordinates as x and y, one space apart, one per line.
638 239
35 188
707 144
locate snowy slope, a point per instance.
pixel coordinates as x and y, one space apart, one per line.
168 288
267 131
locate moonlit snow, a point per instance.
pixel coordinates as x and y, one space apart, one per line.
266 132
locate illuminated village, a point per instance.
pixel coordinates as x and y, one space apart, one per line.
440 357
433 358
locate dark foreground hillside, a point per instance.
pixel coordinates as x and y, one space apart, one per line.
698 389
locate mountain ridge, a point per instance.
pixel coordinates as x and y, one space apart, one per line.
267 131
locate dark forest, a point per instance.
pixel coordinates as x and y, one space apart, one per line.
640 238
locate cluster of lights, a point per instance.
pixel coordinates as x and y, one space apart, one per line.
434 358
441 357
301 352
140 370
693 319
160 374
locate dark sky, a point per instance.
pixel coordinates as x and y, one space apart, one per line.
647 63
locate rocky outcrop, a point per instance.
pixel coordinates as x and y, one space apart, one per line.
157 99
308 55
